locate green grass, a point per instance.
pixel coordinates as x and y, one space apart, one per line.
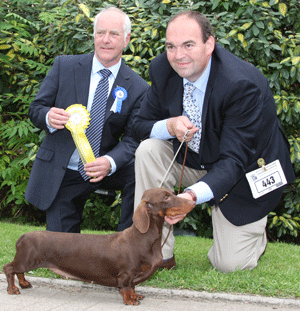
277 275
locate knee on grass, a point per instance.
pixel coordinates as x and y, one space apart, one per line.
231 264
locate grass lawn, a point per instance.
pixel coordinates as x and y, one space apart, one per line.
277 275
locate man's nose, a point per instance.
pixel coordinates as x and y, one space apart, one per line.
106 37
179 52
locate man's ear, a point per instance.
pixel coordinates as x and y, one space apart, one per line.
210 45
127 40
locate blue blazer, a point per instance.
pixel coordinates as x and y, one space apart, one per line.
239 126
67 83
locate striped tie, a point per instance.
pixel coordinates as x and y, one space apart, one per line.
191 110
94 131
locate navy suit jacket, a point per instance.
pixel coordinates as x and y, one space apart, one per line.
239 126
67 83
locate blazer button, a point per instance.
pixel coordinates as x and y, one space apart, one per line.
225 196
202 166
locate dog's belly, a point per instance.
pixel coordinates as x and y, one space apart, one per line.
105 280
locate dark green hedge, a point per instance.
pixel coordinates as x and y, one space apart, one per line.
33 32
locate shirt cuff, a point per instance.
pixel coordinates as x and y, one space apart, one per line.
160 130
112 164
203 192
50 128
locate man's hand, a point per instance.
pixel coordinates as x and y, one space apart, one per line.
57 118
178 126
97 169
174 220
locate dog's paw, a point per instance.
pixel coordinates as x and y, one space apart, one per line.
25 284
13 291
134 299
130 297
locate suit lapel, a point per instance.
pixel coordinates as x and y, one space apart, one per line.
121 80
209 89
82 79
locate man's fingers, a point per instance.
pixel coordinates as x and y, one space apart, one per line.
97 169
58 117
174 220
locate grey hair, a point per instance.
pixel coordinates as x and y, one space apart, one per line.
126 25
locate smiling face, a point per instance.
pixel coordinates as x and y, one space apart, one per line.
109 38
187 53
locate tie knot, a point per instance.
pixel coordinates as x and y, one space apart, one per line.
189 87
105 73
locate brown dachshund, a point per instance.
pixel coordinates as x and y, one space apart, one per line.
123 259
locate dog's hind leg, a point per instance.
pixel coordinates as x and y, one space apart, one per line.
12 289
22 281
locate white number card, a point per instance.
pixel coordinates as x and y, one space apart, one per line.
266 179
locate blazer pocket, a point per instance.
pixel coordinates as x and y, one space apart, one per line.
44 154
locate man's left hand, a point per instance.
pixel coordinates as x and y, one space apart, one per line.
97 169
174 220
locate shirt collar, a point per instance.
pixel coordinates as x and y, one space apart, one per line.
201 83
98 66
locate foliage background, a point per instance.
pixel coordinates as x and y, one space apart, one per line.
34 32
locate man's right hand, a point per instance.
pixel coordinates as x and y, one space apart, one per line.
178 126
57 118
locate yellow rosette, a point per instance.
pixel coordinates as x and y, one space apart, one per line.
78 122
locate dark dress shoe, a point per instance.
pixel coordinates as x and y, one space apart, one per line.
169 263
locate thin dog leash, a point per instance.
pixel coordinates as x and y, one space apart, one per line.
183 140
179 186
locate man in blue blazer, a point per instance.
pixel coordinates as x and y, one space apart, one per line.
229 110
55 184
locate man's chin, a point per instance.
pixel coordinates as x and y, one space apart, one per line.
107 60
182 72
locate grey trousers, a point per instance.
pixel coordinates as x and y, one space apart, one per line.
234 247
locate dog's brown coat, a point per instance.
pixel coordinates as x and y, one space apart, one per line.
121 260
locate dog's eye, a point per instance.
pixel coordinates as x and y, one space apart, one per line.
149 205
167 195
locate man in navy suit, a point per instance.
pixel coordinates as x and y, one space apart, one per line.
55 184
228 109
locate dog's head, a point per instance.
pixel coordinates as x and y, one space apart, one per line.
157 203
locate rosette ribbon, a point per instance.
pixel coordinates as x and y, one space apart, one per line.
78 122
120 94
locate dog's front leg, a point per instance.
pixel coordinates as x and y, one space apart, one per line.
126 289
147 269
130 297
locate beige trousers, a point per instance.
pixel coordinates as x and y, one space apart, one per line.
234 247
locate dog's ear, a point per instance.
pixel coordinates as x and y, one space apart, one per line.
141 218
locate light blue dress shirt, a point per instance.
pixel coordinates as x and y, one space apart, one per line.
95 78
160 131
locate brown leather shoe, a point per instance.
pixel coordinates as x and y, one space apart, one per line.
169 263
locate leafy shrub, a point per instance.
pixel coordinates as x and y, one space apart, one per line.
33 32
102 212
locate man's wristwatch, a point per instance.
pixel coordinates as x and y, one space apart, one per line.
191 193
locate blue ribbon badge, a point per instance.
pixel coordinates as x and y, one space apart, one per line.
120 94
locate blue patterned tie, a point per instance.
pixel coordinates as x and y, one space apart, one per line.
94 131
191 110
